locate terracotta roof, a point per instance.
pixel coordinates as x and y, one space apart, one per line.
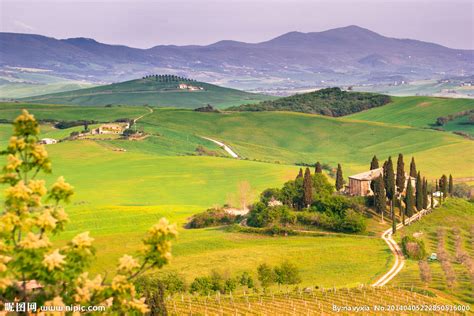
368 175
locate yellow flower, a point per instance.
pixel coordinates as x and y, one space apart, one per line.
61 190
56 302
3 262
54 260
25 124
19 192
139 305
15 144
163 227
37 187
46 220
82 240
33 241
127 264
39 153
4 283
85 287
13 162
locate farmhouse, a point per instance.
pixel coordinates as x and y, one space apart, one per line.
184 86
110 129
359 184
48 141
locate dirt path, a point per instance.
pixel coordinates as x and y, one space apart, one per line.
221 144
396 250
150 110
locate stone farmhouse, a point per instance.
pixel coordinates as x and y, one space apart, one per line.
359 184
184 86
111 128
48 141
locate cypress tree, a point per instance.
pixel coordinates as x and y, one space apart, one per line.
300 174
443 185
432 206
339 178
400 181
437 186
419 192
451 185
374 164
379 196
409 200
307 188
425 193
394 224
318 168
389 178
413 168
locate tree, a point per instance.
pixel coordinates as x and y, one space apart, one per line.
450 186
437 186
413 168
318 168
425 193
339 178
432 200
419 192
266 276
394 224
28 223
287 273
444 186
374 164
389 178
307 188
400 181
379 196
409 200
300 174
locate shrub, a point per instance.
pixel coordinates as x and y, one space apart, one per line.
413 248
201 285
212 217
264 216
287 273
462 190
353 222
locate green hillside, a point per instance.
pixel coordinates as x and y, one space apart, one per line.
291 138
153 91
416 111
329 102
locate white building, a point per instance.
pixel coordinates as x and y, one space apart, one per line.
48 141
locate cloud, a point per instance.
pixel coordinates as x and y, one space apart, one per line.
23 26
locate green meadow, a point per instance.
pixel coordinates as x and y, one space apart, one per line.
415 111
119 194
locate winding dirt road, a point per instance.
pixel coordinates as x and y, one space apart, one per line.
221 144
397 252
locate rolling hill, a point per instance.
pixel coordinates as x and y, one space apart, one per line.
346 55
330 102
152 90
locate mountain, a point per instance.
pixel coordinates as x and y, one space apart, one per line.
347 55
153 90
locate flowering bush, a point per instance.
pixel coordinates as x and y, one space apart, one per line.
32 213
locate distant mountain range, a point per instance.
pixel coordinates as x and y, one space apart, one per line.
347 55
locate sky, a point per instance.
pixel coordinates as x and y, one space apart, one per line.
146 23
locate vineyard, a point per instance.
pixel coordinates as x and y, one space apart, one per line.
364 300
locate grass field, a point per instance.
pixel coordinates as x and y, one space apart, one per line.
151 92
120 194
292 138
415 111
455 213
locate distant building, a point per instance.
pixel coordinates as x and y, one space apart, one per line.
184 86
48 141
111 128
359 184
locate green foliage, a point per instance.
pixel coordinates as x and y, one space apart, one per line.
450 185
339 178
413 172
266 275
379 195
246 280
419 192
409 200
329 101
318 168
262 215
307 188
212 217
461 190
374 164
287 273
413 248
389 178
400 178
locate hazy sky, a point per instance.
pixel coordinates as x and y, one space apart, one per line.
146 23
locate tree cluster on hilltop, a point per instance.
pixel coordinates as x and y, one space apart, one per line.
168 78
330 102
